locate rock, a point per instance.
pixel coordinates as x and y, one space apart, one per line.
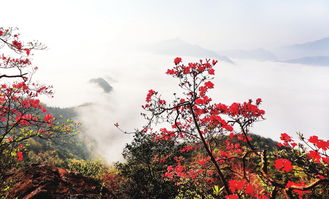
50 182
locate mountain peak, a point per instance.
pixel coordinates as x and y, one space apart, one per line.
179 47
320 44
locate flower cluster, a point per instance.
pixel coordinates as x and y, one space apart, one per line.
226 152
21 114
283 164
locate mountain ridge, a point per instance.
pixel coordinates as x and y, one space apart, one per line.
179 47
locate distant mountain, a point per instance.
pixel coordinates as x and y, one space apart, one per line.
319 60
87 104
102 83
317 45
313 52
317 48
178 47
258 54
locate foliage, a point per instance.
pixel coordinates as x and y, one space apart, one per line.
22 116
47 157
115 182
226 158
146 163
66 147
95 169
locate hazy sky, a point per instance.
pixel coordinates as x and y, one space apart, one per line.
216 24
103 38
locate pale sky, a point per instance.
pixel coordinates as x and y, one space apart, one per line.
103 38
215 24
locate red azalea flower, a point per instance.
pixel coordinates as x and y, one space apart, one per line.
313 139
325 160
48 117
249 189
285 137
202 162
315 156
234 196
258 101
209 84
177 60
283 164
299 192
149 95
236 185
19 156
27 51
211 71
17 44
324 145
199 101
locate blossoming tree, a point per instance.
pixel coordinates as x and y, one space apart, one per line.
227 163
21 114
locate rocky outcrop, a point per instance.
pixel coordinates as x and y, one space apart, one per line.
50 182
